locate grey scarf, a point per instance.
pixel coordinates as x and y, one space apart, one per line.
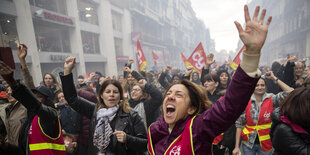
103 130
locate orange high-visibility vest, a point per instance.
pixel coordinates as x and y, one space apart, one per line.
40 143
262 126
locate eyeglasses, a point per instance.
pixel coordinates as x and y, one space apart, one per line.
136 90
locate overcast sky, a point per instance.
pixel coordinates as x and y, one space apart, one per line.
219 17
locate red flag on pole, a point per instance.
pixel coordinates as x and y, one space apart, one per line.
198 58
237 60
140 57
156 58
187 63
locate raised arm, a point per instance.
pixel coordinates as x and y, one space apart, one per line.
130 61
22 53
281 84
188 72
134 73
79 104
29 100
206 68
162 77
226 110
288 77
156 96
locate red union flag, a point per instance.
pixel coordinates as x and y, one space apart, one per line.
140 57
237 60
198 58
155 57
186 63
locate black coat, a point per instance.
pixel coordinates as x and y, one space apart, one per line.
288 77
285 140
152 104
130 123
48 116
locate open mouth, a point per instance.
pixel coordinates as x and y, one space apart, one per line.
170 110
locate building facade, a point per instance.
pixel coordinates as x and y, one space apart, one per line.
167 27
101 34
289 31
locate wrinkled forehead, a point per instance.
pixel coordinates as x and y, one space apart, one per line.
178 88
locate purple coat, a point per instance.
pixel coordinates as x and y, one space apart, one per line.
84 135
213 121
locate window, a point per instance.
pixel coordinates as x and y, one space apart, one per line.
117 22
50 39
154 5
8 32
88 12
118 43
52 5
90 42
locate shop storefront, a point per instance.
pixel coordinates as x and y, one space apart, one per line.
8 31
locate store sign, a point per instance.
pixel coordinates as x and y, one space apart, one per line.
50 16
58 58
122 58
58 18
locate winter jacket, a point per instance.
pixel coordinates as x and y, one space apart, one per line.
48 116
130 123
83 137
289 75
152 104
70 119
287 139
204 72
14 114
273 87
214 97
210 123
163 81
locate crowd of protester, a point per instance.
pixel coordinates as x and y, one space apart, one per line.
263 110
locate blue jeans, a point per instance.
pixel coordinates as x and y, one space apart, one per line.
256 149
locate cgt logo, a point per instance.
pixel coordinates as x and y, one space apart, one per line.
139 56
176 150
267 116
199 60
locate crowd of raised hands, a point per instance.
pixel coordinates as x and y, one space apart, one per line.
96 113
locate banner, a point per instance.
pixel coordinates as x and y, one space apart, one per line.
156 58
237 60
140 57
186 63
198 58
